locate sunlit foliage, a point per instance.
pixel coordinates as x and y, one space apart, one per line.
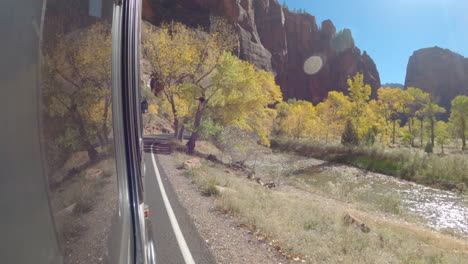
202 81
332 113
459 118
392 105
77 86
297 119
359 95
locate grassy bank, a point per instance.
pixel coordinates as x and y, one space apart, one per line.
313 227
448 172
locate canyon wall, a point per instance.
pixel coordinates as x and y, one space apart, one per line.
441 72
278 40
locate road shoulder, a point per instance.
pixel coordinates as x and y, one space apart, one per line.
226 239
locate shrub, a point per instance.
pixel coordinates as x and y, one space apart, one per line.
349 136
369 137
210 189
84 204
429 148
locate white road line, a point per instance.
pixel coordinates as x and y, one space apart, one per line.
175 225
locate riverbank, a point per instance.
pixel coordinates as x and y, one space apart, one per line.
447 172
311 225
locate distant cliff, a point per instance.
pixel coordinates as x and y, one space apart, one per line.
440 72
278 40
393 85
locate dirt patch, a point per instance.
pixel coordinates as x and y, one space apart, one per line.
84 208
226 237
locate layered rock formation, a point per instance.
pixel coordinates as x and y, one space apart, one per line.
440 72
278 40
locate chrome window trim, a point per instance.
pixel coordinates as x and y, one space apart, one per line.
126 245
127 133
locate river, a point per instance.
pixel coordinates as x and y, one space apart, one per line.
439 209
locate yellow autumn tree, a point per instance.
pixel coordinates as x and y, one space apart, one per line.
332 113
77 85
240 95
297 119
392 105
359 95
180 55
204 84
172 50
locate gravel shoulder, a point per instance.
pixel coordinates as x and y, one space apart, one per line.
223 233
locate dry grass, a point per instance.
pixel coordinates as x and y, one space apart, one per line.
446 172
78 197
312 225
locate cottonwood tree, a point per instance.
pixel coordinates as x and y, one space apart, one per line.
198 72
174 52
297 118
359 94
418 100
77 85
183 59
430 112
459 118
236 94
392 102
332 113
442 135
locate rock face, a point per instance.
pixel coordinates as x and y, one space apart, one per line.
440 72
278 40
393 85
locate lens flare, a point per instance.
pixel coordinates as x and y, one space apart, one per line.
313 65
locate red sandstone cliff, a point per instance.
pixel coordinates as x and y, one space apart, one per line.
278 40
440 72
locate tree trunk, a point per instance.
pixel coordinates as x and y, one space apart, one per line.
432 130
100 138
421 132
194 137
176 118
393 132
105 128
463 135
180 136
92 153
411 131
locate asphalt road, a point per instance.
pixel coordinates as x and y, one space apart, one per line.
176 240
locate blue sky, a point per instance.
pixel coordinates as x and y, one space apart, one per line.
390 30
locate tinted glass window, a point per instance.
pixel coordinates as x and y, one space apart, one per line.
77 136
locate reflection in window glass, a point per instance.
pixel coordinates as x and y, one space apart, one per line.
77 128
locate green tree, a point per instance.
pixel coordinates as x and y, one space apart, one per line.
349 136
430 112
442 134
459 118
418 99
